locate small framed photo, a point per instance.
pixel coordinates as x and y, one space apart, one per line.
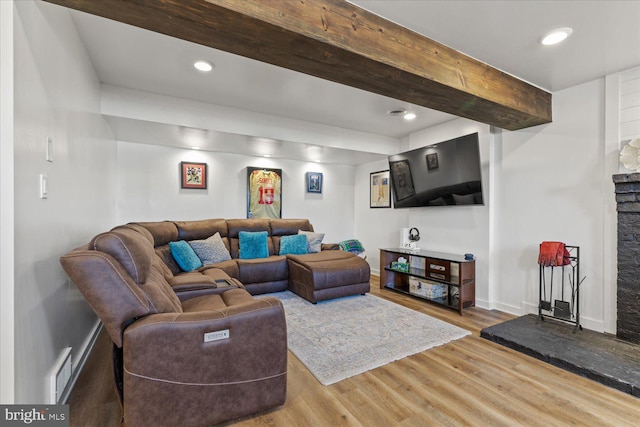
379 195
432 161
193 175
314 182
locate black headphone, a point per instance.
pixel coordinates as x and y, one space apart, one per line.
414 237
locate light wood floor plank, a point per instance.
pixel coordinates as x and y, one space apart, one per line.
469 382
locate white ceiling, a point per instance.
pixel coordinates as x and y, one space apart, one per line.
504 34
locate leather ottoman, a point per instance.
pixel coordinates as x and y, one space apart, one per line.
327 275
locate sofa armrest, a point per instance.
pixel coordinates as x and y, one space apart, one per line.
171 347
173 377
196 284
191 281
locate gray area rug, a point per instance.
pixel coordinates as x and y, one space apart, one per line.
340 338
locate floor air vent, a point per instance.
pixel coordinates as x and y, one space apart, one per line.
59 376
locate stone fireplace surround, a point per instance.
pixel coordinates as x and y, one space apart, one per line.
627 188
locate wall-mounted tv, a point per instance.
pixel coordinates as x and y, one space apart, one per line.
447 173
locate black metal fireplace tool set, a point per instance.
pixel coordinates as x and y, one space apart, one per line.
556 256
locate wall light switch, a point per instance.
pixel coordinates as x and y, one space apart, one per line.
49 150
43 186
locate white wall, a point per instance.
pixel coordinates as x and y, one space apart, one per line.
150 107
630 104
7 335
549 182
149 188
451 229
56 95
458 229
552 185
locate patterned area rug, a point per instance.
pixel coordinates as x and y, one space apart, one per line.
340 338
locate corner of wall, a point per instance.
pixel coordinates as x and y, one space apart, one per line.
7 312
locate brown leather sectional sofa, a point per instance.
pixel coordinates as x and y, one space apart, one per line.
344 274
195 348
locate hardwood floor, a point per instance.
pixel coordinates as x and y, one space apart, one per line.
469 382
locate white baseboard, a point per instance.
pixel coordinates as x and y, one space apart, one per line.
483 304
586 322
493 305
529 308
84 353
592 324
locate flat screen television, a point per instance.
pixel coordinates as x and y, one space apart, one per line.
447 173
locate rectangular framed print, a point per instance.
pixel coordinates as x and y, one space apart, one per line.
314 182
379 190
264 192
432 161
193 175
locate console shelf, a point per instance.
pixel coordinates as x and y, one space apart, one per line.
453 271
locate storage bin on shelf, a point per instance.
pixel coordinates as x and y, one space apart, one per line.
400 265
427 288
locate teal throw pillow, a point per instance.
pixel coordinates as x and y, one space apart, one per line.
253 244
294 245
185 256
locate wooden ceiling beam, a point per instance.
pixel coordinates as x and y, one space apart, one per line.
338 41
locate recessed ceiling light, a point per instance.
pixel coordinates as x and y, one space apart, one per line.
555 36
397 112
204 66
409 115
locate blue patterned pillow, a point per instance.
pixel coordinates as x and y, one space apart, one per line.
353 246
184 255
295 244
253 244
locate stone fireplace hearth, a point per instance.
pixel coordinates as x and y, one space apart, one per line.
628 293
613 361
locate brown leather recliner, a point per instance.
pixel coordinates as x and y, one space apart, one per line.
195 362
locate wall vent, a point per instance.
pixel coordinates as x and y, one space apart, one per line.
59 376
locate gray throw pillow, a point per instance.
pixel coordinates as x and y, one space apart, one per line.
314 241
211 250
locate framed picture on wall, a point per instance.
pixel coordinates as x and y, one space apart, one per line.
379 190
264 192
432 161
193 175
314 182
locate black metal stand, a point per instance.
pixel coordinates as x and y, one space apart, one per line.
559 309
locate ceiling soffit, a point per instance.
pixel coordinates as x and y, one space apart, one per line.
338 41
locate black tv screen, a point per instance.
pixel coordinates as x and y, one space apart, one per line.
447 173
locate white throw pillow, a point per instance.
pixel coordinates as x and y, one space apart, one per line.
314 241
211 250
